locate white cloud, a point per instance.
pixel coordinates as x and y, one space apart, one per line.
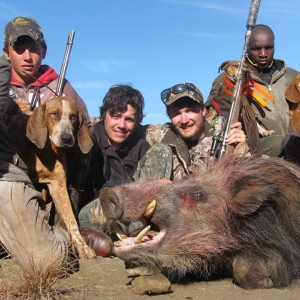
275 7
106 66
7 8
207 5
201 34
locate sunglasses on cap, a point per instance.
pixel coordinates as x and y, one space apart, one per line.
176 89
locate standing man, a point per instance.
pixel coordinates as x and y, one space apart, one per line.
265 90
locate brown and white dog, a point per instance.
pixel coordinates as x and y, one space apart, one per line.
42 140
290 148
292 94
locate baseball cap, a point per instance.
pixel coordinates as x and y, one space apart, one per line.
21 26
181 90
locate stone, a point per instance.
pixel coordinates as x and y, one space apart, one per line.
151 285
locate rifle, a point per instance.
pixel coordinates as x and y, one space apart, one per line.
240 80
65 63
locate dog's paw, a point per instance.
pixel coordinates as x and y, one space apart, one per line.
83 250
263 131
89 252
267 133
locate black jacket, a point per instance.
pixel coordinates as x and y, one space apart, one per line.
109 167
8 159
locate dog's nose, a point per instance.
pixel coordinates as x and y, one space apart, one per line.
67 139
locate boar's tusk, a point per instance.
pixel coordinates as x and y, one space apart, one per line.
119 232
139 237
150 209
121 237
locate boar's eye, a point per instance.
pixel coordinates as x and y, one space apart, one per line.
199 195
193 196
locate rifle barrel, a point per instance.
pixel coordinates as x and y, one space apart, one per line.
238 90
65 62
253 12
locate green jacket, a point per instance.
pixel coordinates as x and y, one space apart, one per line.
276 116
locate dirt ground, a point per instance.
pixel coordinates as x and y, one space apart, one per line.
106 278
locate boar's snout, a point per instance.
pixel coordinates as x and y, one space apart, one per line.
110 204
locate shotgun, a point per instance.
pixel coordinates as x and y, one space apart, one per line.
240 80
64 66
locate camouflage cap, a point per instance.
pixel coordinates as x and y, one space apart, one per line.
181 90
21 26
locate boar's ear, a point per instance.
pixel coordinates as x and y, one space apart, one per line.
250 192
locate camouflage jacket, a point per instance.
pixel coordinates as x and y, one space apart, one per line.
185 158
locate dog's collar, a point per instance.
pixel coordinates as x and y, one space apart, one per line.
58 151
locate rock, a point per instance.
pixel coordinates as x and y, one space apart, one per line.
150 285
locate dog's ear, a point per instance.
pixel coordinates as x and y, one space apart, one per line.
223 66
292 93
85 141
36 129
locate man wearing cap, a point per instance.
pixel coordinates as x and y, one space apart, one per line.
32 82
188 134
23 230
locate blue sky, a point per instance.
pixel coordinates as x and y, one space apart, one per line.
151 44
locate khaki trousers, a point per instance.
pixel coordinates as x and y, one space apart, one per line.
26 234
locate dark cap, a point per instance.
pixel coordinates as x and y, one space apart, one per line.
182 90
22 26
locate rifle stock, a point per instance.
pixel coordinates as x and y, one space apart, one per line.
240 80
64 65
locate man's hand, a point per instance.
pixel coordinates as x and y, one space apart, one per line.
236 135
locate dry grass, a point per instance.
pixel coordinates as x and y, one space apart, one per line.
30 284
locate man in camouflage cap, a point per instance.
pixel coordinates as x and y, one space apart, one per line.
23 26
32 82
188 134
24 234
